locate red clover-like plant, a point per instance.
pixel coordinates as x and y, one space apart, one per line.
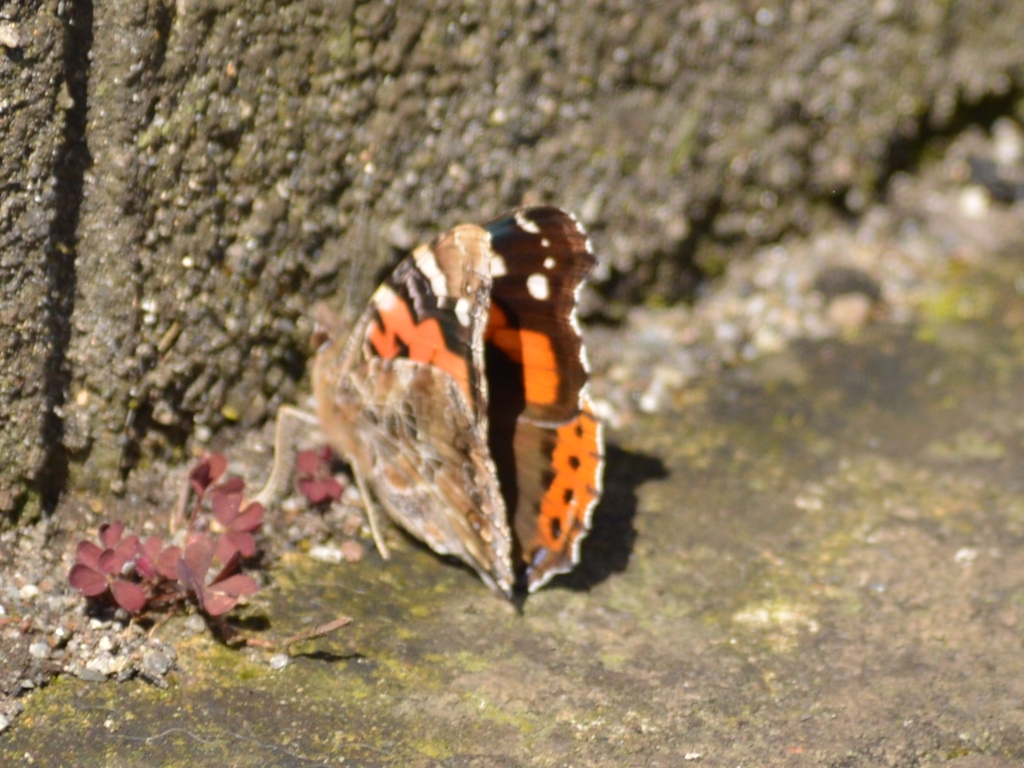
313 476
140 576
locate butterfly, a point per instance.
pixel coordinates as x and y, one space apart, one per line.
460 397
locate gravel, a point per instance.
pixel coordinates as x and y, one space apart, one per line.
884 267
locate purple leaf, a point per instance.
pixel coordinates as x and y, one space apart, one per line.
230 567
225 503
197 558
249 520
206 472
114 560
320 489
239 584
88 581
127 549
194 564
166 562
111 562
129 596
308 462
88 554
221 596
110 533
216 603
235 541
224 550
145 564
233 484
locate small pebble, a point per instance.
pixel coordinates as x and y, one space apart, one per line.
155 663
103 663
974 201
39 649
28 592
11 35
352 551
4 722
195 623
768 341
965 555
122 666
850 311
278 661
352 522
326 554
1007 142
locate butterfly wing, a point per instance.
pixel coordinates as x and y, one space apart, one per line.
544 438
403 400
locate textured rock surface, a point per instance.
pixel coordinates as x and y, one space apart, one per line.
188 176
37 140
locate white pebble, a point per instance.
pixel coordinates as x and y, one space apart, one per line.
326 554
29 592
974 201
1007 141
102 663
39 649
278 661
850 311
965 555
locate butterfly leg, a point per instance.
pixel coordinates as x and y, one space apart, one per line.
371 516
284 451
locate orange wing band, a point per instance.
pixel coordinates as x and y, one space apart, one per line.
424 340
531 350
576 461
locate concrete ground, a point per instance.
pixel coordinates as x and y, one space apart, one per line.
814 558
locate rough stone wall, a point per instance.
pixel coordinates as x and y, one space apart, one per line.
179 181
36 142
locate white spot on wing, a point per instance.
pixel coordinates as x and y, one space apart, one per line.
537 285
549 263
545 243
426 261
528 225
384 298
498 266
462 311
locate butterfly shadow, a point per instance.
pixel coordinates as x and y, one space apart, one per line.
607 548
